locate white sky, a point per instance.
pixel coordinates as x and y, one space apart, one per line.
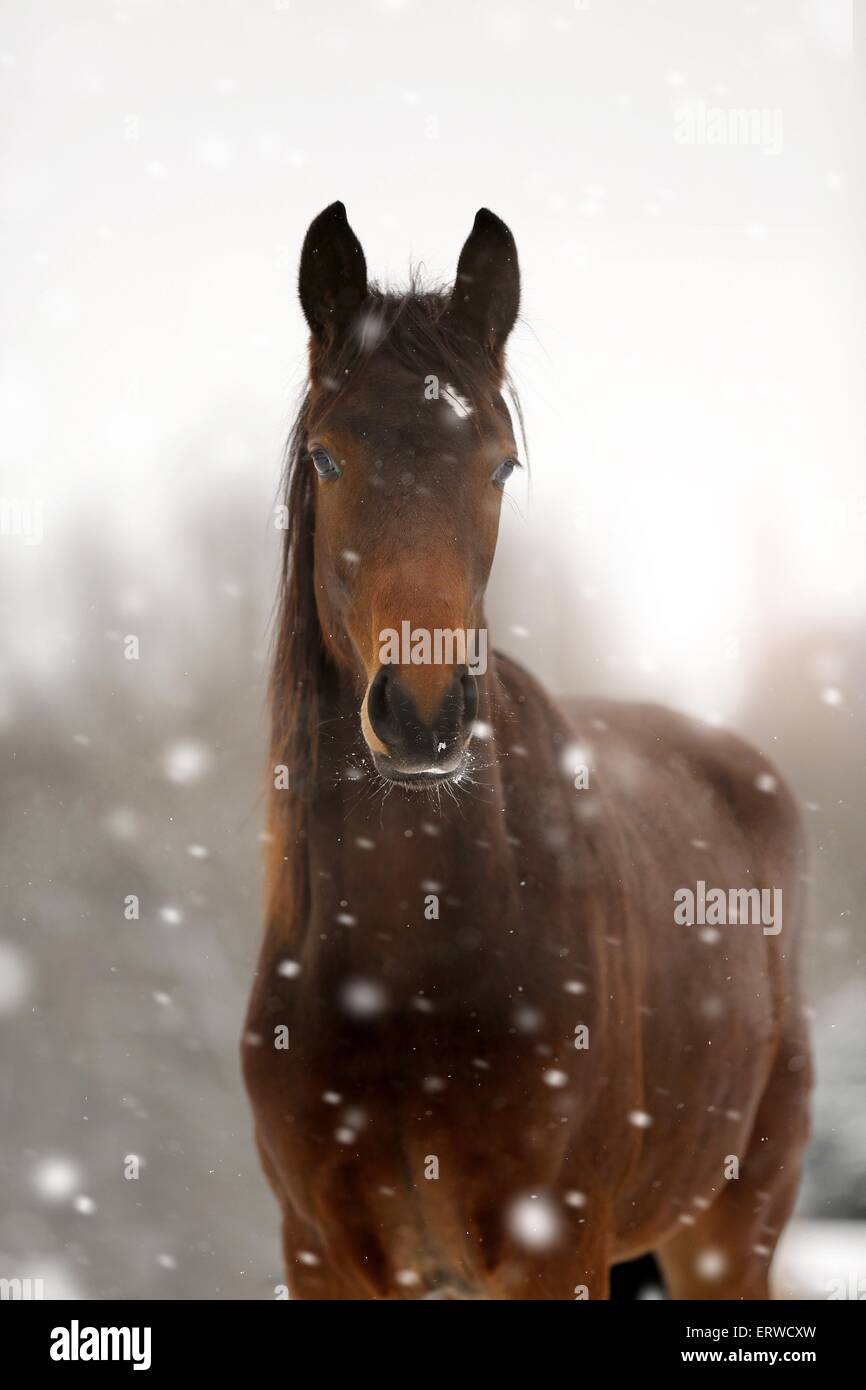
692 358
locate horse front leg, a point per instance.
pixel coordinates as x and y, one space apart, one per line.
310 1271
581 1274
521 1264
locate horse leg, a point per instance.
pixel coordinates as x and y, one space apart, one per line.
576 1265
726 1253
583 1275
310 1273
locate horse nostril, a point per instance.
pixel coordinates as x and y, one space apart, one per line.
394 718
391 709
378 708
469 686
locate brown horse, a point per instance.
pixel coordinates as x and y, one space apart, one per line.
491 1050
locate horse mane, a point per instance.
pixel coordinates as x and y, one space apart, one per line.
411 328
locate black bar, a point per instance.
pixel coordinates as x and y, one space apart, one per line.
286 1340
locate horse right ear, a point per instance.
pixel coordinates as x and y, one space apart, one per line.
486 295
332 282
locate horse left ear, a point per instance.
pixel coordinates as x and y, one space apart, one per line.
486 294
332 281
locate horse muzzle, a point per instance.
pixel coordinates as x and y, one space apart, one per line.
412 749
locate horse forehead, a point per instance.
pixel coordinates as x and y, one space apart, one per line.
385 434
390 402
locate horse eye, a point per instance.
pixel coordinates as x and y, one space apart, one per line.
503 473
324 464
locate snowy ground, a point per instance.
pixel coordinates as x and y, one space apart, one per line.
822 1259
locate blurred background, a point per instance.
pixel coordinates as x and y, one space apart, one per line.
682 181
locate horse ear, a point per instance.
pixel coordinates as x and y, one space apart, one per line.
486 294
332 281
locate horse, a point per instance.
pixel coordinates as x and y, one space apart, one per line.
489 1056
